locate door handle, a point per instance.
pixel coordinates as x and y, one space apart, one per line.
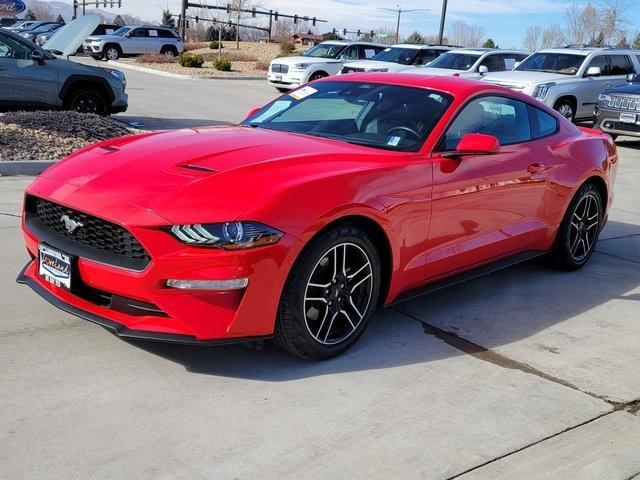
536 168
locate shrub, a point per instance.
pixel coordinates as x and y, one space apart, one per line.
191 60
262 65
214 45
223 64
287 46
155 58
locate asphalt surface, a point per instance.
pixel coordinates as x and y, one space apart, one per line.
527 373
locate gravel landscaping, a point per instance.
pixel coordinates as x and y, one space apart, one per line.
52 135
250 61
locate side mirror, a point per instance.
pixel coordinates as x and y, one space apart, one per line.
483 70
475 144
630 77
38 57
516 65
593 72
252 112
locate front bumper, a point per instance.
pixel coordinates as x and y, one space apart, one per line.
92 48
609 122
137 303
287 80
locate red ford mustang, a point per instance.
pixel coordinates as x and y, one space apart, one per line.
346 194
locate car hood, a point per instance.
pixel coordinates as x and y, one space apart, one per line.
69 38
303 59
440 72
115 38
517 77
226 170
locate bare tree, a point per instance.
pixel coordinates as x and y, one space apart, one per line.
466 34
533 38
553 36
42 12
613 15
583 23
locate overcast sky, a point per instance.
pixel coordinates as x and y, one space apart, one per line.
504 20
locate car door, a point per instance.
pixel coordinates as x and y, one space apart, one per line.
591 86
24 81
136 43
485 206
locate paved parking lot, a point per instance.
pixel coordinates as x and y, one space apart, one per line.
527 370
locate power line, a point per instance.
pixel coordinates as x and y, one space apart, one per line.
400 11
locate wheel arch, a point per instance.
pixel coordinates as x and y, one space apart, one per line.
602 187
75 82
316 72
572 98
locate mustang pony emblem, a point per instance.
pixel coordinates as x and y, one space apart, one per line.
70 224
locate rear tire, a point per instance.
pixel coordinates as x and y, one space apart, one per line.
578 233
566 108
88 101
169 50
330 295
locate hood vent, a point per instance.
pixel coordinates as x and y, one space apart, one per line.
198 168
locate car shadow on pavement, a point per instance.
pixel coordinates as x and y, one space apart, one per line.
507 306
164 123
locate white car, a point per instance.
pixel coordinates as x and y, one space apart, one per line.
473 62
323 60
397 58
570 79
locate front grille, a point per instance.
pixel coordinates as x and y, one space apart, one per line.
93 237
624 103
279 68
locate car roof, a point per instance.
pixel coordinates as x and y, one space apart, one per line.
419 46
482 51
584 51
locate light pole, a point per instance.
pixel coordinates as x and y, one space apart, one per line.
442 18
400 11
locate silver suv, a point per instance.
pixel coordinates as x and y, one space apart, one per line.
31 77
134 41
570 79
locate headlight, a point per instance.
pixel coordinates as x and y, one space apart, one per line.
228 236
603 97
118 74
301 66
540 92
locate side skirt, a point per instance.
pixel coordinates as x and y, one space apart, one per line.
468 275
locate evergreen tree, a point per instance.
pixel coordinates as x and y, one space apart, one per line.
334 36
167 19
60 19
415 38
489 43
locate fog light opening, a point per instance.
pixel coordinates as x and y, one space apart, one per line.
217 285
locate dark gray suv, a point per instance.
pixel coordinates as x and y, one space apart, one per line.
31 77
618 109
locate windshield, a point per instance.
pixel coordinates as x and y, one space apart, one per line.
455 61
47 28
122 31
324 50
28 25
380 116
403 56
563 63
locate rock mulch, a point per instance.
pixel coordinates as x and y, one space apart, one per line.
52 135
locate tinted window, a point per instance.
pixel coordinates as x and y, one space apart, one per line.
455 61
563 63
542 124
10 48
166 34
367 51
426 56
139 32
494 63
350 53
619 65
324 50
382 116
504 118
403 56
509 60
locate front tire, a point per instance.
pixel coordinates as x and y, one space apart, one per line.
317 76
111 52
579 230
330 294
88 101
566 108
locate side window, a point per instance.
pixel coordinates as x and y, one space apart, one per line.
620 65
601 62
542 124
350 53
367 51
139 33
166 34
10 48
509 60
493 62
504 118
426 56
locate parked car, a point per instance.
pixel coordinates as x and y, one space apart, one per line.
10 22
618 109
102 29
129 41
323 60
473 62
34 78
397 58
24 25
570 79
351 192
41 29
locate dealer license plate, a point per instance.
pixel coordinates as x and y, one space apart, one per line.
628 117
54 266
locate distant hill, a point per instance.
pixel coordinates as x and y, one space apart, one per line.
66 10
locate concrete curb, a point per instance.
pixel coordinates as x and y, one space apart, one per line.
24 167
178 75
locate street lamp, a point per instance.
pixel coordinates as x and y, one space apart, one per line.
400 11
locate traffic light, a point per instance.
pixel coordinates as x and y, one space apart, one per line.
295 19
333 31
228 8
314 21
344 32
197 18
275 16
253 12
